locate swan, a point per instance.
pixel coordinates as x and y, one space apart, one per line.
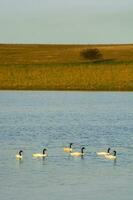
78 153
103 153
68 149
40 155
19 155
111 157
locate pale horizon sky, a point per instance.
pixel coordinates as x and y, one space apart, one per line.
66 21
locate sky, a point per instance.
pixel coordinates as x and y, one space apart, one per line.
66 21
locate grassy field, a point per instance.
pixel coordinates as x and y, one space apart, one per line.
60 67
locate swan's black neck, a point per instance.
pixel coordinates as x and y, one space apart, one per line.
44 150
82 149
20 152
114 153
108 150
71 145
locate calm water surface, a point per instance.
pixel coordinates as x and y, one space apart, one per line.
33 120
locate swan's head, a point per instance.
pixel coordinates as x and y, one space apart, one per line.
20 152
71 145
108 150
114 153
44 150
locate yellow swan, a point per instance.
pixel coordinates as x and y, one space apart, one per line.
103 153
19 155
111 157
40 155
68 149
78 153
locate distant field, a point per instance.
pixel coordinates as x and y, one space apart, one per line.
60 67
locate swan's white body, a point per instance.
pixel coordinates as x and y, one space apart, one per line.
19 157
110 157
102 153
78 153
67 149
39 155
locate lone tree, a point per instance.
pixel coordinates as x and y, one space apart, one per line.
91 54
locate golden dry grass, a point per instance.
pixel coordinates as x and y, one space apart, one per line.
60 67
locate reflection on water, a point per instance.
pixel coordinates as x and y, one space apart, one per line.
33 120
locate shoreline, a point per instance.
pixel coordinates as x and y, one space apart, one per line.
64 90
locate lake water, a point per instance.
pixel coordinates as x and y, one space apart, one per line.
33 120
